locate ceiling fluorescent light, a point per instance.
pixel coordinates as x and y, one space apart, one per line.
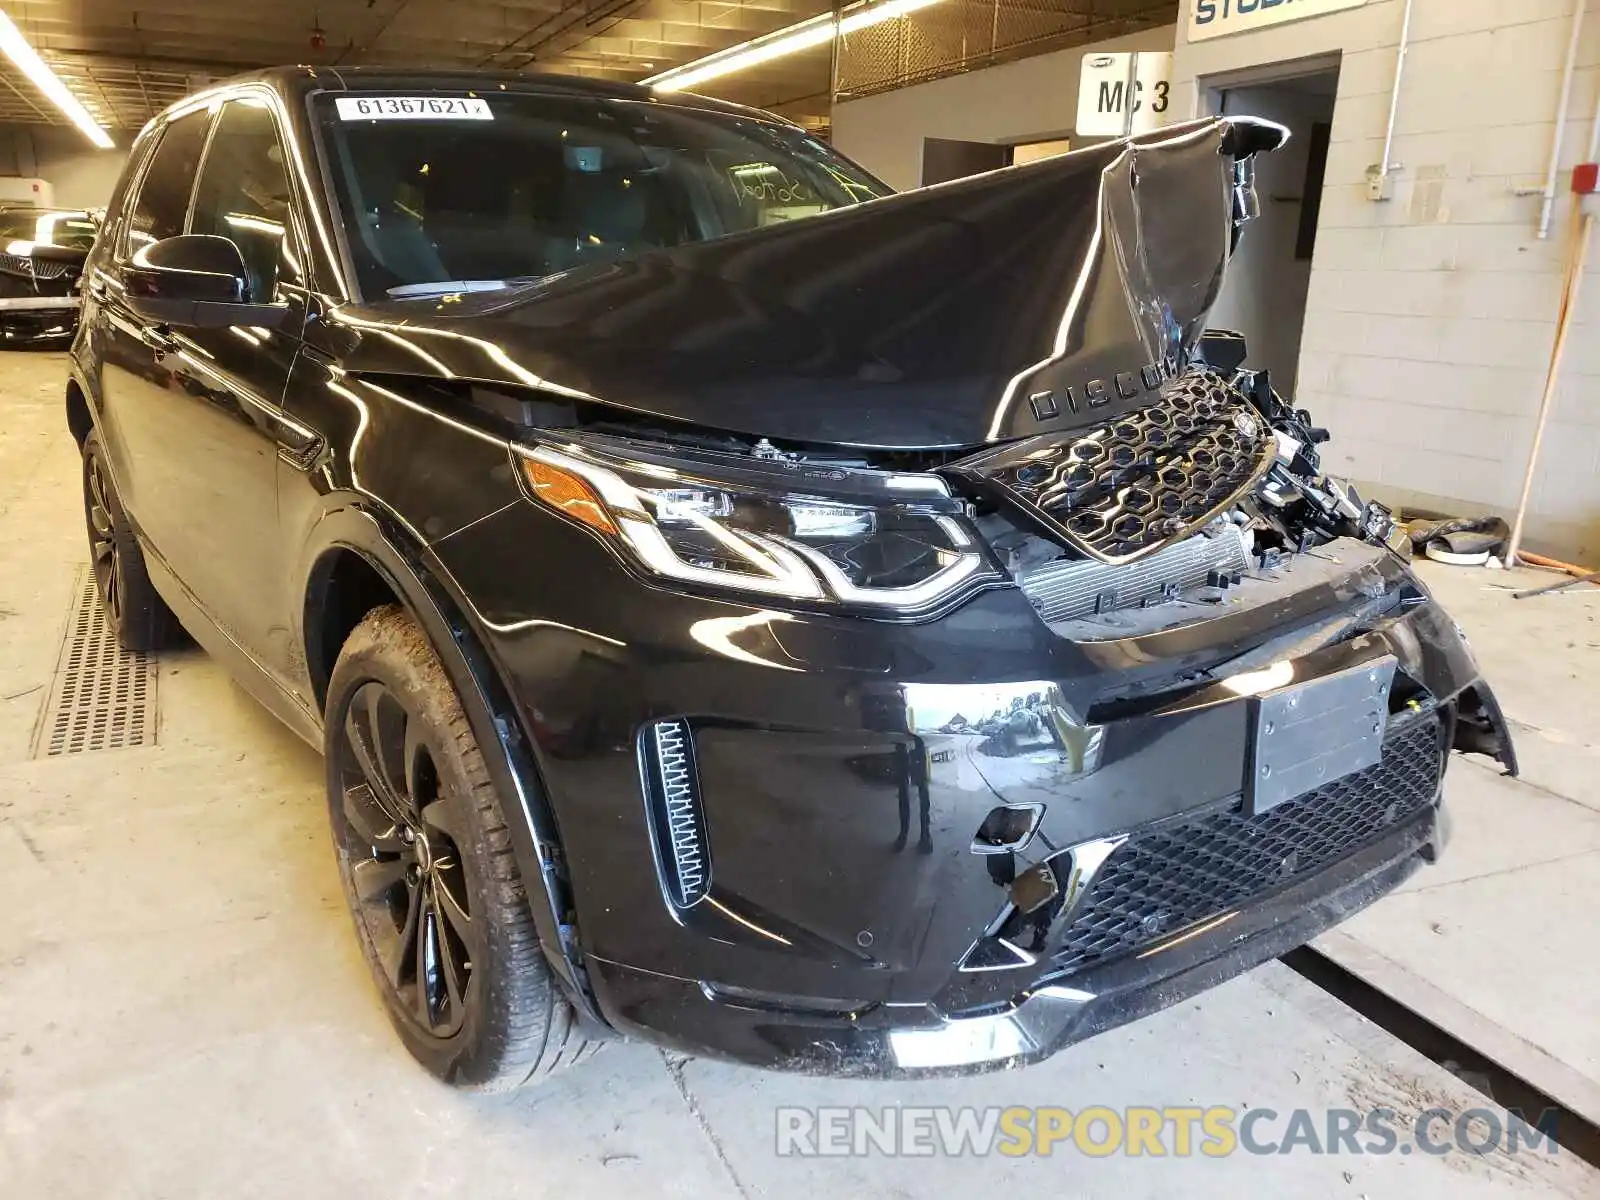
818 31
47 81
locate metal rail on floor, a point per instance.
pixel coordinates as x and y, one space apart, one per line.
1574 1132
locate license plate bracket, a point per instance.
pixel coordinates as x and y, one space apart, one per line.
1309 734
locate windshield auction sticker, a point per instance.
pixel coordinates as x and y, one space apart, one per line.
412 108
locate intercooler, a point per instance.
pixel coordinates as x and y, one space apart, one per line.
1066 590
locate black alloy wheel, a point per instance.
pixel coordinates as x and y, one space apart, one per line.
428 868
104 544
133 609
406 867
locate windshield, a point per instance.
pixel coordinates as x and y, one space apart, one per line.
477 190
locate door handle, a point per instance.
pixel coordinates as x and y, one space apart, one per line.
158 339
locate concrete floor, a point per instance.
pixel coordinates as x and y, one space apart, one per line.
1500 943
183 1011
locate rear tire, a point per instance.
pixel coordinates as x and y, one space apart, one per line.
440 908
133 609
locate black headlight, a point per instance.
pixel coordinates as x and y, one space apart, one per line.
891 542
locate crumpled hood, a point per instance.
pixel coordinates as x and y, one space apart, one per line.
1008 304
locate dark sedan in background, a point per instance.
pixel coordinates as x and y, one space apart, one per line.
42 252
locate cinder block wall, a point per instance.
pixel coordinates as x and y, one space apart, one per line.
1027 100
82 175
1431 317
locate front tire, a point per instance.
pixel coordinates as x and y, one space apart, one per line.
440 908
133 609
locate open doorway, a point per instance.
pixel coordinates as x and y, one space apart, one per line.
1023 153
1265 296
944 159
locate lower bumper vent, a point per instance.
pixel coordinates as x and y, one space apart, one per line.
1177 873
677 819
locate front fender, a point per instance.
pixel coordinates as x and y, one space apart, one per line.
425 587
1433 648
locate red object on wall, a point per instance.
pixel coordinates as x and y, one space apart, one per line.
1586 179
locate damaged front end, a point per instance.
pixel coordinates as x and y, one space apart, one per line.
997 759
1210 506
937 675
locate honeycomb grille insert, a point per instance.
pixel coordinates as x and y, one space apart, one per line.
1179 873
1143 480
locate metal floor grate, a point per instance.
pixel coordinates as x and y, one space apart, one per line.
102 697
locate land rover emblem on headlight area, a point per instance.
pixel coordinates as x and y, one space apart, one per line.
1246 424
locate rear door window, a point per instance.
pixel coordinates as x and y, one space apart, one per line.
163 202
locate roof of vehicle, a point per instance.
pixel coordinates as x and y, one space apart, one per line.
295 82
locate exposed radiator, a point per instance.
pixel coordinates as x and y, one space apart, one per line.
1063 591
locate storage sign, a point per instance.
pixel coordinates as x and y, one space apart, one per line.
1217 18
1119 94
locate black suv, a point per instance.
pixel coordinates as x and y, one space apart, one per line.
740 607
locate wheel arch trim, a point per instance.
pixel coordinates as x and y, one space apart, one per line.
427 592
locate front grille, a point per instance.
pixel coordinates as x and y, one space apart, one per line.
1178 873
1142 480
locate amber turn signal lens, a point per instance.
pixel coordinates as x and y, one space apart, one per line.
568 494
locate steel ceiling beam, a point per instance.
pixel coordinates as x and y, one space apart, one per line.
132 57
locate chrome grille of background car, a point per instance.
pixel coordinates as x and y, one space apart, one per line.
1177 873
1143 480
19 265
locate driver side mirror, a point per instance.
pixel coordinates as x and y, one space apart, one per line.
195 281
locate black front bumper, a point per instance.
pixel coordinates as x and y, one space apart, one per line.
36 310
50 321
844 768
912 1040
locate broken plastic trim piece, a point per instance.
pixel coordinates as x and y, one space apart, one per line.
1481 728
